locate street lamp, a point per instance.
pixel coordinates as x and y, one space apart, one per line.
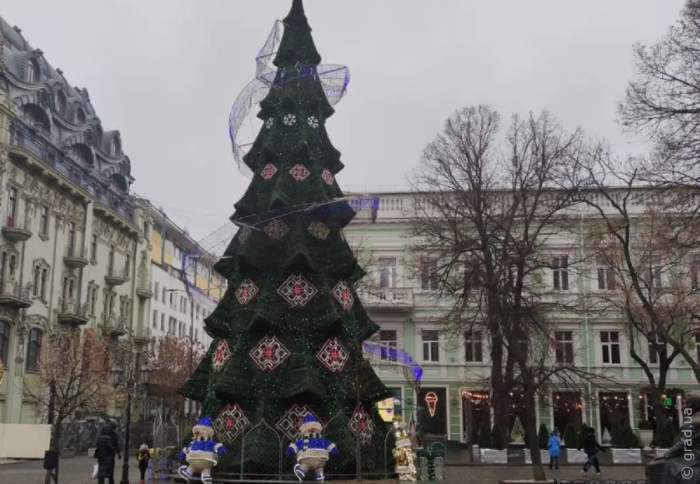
131 386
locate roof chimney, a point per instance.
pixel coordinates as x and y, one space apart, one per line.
17 29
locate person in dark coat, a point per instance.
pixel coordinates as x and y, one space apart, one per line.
106 449
591 447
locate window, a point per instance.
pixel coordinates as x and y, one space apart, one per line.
80 117
145 230
657 350
12 205
31 75
606 275
431 346
44 223
196 335
156 290
165 291
610 347
4 342
172 323
389 342
162 322
653 276
429 275
37 280
560 273
183 305
93 300
564 347
44 280
93 248
127 264
387 272
473 351
60 101
113 148
71 237
110 263
34 349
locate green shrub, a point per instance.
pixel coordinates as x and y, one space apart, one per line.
617 438
498 438
571 438
543 436
645 425
665 436
484 436
631 438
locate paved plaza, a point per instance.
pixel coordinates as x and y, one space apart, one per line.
78 470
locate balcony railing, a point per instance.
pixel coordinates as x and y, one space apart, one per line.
53 157
388 297
71 311
15 294
116 277
17 228
76 257
113 324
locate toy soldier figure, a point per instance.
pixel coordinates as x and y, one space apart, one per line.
681 464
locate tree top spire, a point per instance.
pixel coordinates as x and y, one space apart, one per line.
297 44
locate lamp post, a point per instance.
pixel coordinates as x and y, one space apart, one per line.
131 386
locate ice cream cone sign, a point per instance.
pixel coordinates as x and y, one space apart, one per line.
431 400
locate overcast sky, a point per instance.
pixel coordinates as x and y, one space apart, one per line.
166 72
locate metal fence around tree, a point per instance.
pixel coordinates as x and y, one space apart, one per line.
260 453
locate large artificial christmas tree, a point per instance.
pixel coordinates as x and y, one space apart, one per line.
288 332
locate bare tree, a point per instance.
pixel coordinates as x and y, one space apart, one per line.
647 268
172 360
663 101
73 375
489 212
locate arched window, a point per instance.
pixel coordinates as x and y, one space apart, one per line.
4 342
34 349
60 103
113 147
32 73
80 116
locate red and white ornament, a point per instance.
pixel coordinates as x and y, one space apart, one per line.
343 295
327 176
231 423
297 291
361 425
268 171
269 353
291 420
246 291
221 356
333 355
299 172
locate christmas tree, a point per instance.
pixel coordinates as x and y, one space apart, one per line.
288 332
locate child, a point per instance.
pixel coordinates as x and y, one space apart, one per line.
143 457
553 447
591 446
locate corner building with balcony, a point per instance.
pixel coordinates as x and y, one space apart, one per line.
75 247
456 368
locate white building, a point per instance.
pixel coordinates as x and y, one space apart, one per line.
179 305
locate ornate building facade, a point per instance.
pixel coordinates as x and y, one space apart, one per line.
75 247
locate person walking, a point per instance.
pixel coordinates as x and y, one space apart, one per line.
591 447
143 457
106 449
553 446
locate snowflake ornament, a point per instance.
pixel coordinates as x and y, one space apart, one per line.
276 229
333 355
289 120
246 291
290 421
319 230
269 353
299 172
222 355
327 177
268 171
230 423
343 295
269 123
297 291
313 122
361 425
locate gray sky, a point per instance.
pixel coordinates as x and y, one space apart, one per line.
166 72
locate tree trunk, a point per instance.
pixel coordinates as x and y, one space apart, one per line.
499 393
531 430
54 445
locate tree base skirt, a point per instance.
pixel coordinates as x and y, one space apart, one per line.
493 456
660 452
574 456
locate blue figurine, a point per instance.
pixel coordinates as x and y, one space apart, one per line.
312 449
202 453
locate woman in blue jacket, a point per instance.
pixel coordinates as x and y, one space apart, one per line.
553 447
